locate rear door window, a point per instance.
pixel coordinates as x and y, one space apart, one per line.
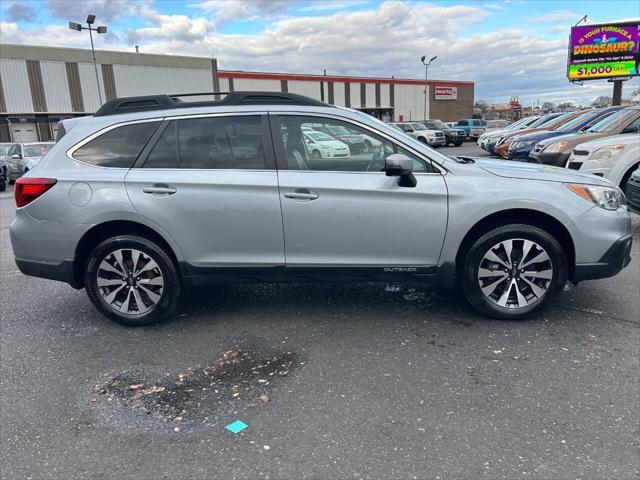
117 148
221 143
462 123
165 151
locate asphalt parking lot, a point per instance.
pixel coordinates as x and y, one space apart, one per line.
370 380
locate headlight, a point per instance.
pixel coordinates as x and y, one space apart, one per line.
606 153
556 147
609 198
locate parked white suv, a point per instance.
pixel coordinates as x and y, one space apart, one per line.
419 131
614 158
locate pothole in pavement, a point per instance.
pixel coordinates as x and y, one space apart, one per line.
194 399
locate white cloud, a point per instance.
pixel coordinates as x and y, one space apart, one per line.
225 11
104 10
20 11
557 16
330 5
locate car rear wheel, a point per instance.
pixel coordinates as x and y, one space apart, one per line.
513 271
132 281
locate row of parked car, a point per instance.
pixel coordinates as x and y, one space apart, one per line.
18 158
601 141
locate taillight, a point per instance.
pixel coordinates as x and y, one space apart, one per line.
28 189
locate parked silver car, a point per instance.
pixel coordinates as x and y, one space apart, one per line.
152 195
22 157
4 148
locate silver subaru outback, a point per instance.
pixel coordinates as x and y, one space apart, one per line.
153 195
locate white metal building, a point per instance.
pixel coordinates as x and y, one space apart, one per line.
41 85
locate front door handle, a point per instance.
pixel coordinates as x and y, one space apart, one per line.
160 189
301 194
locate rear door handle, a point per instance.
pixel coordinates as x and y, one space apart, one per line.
302 194
160 189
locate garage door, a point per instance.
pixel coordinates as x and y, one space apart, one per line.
24 132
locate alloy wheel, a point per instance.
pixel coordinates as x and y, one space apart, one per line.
515 273
130 281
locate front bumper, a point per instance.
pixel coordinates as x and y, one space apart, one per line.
522 153
438 141
556 159
612 262
633 194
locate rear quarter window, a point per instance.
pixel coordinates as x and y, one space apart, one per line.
117 148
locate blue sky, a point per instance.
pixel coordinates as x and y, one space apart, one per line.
508 47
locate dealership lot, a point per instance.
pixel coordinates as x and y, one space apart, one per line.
371 378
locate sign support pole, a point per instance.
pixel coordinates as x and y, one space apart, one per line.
617 92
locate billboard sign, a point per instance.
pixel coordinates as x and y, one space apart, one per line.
446 93
604 51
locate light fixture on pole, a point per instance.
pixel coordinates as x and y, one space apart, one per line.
102 29
423 59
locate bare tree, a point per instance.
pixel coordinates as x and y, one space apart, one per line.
601 101
481 105
548 106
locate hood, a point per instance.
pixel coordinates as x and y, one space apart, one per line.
525 131
627 139
577 137
538 136
427 130
536 171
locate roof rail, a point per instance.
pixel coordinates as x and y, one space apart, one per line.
118 106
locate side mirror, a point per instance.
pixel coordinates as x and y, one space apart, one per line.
399 165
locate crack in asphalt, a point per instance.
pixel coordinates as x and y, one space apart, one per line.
597 314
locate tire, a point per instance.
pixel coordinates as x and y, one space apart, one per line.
3 186
316 155
457 144
159 304
492 301
423 140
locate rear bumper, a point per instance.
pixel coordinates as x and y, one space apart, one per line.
613 261
63 271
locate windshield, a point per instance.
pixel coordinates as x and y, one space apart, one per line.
523 122
321 137
544 120
36 150
578 121
437 124
496 123
418 126
614 122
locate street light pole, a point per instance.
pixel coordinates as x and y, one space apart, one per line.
426 80
102 29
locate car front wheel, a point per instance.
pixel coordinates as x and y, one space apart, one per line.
513 271
132 281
